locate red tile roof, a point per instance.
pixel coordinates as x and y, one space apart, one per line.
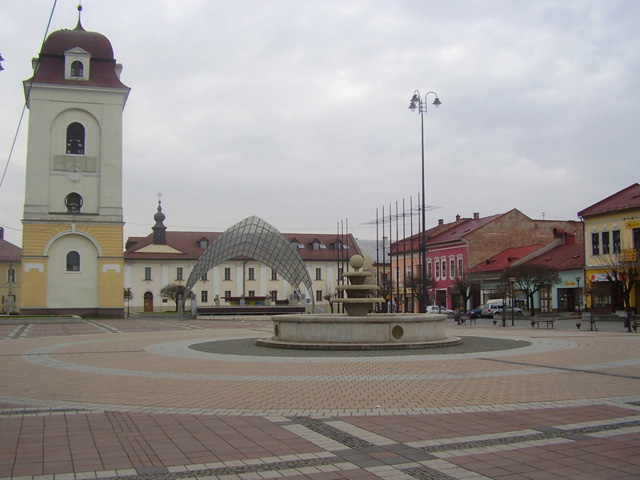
103 65
412 243
440 234
505 258
188 245
9 252
623 200
460 229
563 257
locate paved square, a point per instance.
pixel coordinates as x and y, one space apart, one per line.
130 400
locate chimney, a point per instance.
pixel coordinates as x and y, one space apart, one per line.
457 217
1 233
440 221
476 215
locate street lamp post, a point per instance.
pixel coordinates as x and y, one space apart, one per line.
128 295
512 281
579 297
421 104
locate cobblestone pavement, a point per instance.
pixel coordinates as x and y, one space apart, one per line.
131 400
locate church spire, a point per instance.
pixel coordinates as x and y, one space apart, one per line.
159 230
79 25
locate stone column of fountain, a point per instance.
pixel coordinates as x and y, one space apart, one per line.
358 302
357 330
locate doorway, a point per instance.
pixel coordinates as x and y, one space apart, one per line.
148 302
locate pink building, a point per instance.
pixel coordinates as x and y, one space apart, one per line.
454 248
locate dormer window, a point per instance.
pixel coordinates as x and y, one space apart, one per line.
203 243
76 64
77 69
75 139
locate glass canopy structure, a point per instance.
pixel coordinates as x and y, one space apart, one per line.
254 238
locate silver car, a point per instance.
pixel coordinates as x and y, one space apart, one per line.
494 309
439 309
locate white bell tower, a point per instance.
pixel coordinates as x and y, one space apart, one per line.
73 222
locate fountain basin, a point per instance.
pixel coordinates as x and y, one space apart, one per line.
370 332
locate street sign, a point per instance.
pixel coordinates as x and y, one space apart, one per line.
629 255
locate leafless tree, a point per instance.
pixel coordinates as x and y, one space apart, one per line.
466 286
173 291
417 284
622 270
530 278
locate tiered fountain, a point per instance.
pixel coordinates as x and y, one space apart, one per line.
357 329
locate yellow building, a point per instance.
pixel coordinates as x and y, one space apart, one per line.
612 240
72 259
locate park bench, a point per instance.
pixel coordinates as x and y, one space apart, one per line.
461 319
545 317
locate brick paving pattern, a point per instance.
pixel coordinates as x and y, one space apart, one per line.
129 399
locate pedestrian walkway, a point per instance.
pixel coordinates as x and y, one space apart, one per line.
133 400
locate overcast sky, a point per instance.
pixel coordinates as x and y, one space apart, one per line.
296 111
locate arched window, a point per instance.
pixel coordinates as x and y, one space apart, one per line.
11 275
77 69
73 201
73 261
75 139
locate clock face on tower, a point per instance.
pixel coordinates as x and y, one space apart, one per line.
74 174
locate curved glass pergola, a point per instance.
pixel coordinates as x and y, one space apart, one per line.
257 239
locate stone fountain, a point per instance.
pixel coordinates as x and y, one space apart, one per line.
359 329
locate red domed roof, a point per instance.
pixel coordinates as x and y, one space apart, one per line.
51 64
95 43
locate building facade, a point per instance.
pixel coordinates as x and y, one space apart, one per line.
612 240
454 249
10 255
562 254
166 257
72 259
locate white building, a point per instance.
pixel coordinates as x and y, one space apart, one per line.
166 257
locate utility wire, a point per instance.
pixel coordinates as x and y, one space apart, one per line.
24 107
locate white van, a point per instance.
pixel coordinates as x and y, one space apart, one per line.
493 308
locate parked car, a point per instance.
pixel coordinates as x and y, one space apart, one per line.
493 308
439 309
475 313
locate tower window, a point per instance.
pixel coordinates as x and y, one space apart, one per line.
73 201
77 69
73 261
75 139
